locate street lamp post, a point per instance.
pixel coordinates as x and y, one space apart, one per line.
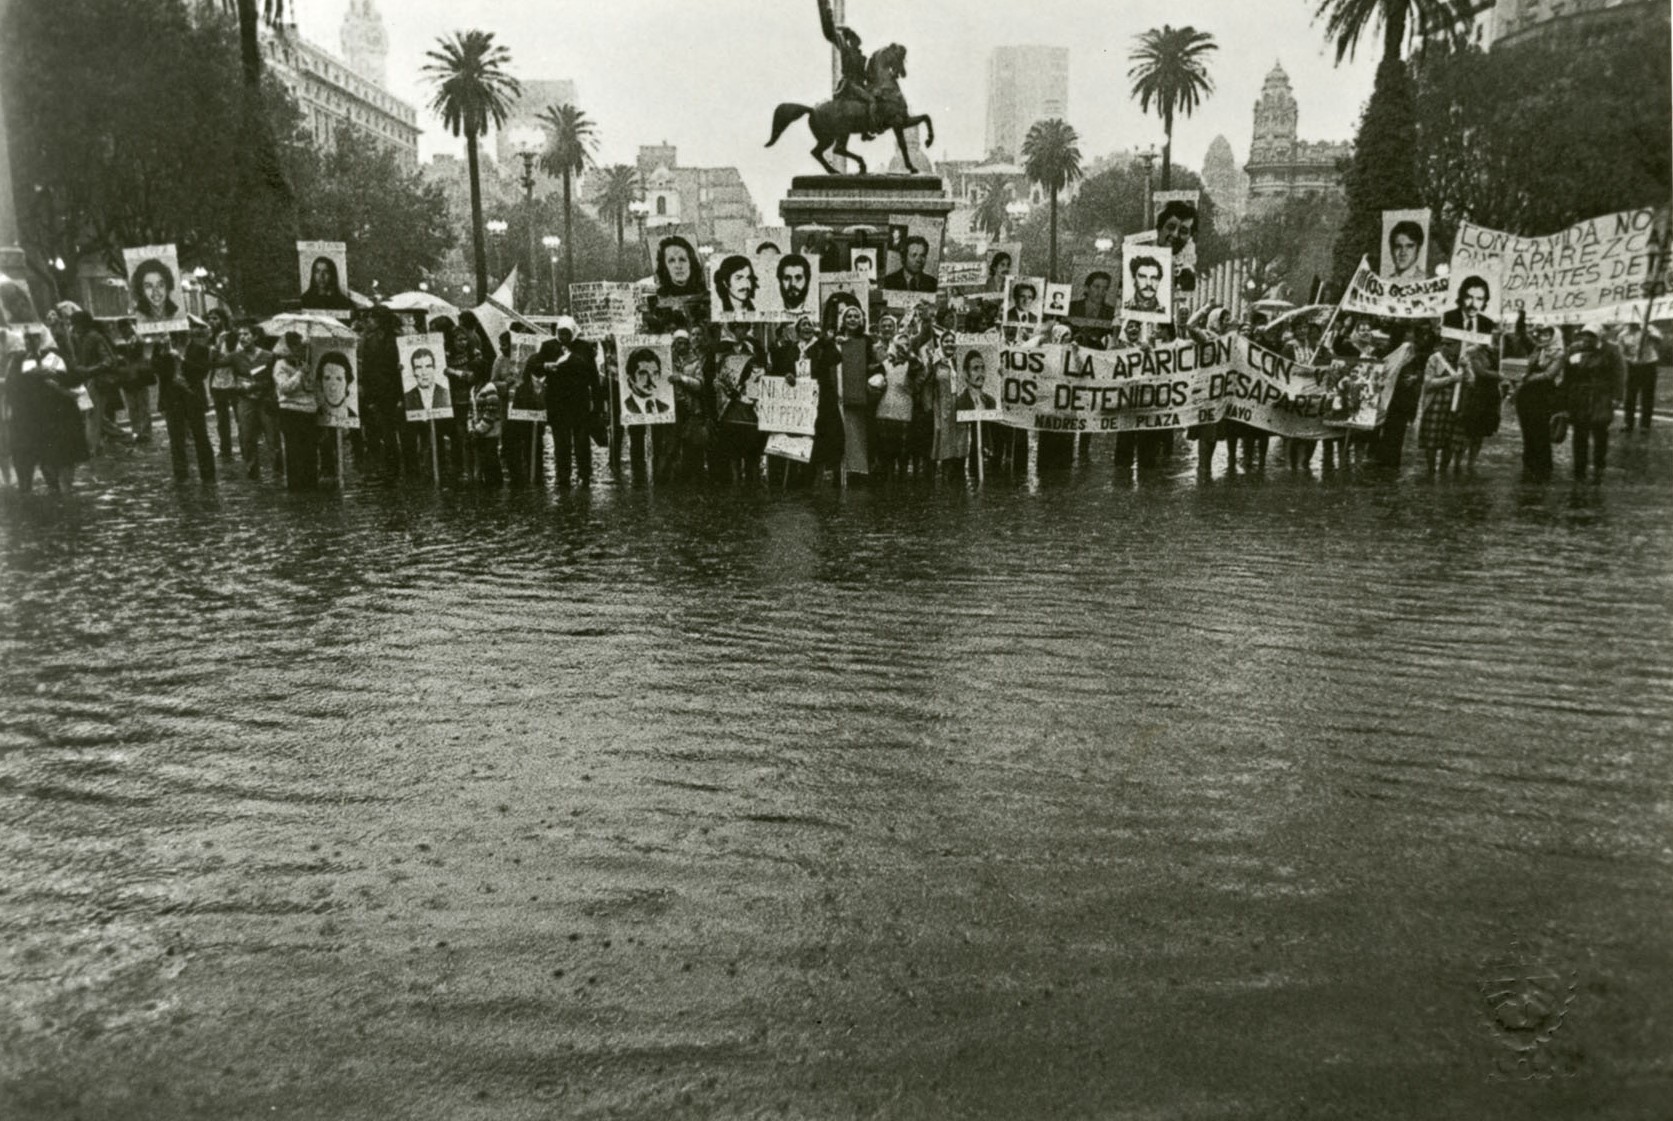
527 155
641 210
1149 158
552 242
496 230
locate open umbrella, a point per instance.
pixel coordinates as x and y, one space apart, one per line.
308 326
431 306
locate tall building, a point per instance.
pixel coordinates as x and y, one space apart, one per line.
1517 21
1224 182
364 41
523 125
1281 166
1025 85
336 97
709 205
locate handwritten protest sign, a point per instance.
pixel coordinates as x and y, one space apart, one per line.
647 395
604 307
791 409
1613 264
1370 294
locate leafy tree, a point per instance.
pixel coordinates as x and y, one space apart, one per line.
98 166
473 91
1170 71
1051 156
395 224
1291 242
1112 202
263 233
1382 173
990 216
1536 136
570 142
617 191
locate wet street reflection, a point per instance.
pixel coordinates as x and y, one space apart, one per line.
1255 797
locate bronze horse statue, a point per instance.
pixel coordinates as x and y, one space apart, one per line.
833 122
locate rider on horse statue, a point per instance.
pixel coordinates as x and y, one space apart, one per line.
853 86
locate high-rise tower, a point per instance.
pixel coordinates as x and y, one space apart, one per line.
365 42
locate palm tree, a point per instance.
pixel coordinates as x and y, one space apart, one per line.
617 192
473 92
990 216
569 149
1051 156
1347 20
1382 174
264 217
1170 71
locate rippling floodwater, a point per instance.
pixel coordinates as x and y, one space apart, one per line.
1268 797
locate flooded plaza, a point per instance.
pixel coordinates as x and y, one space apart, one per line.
1265 796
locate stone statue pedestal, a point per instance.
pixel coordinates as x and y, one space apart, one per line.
838 202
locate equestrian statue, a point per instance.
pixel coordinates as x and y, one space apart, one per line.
868 100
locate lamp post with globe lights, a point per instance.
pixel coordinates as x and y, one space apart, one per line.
553 243
641 211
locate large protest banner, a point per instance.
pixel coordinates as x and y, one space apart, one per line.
322 269
334 362
1605 267
604 307
786 408
153 281
1175 385
1370 294
647 394
424 391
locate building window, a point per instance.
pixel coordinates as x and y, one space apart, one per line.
662 206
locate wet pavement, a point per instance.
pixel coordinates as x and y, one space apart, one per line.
1269 796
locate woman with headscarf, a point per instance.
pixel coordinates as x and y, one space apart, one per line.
44 408
1446 380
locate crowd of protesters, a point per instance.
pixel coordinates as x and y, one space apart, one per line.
223 387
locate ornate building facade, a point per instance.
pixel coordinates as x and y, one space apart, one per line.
1281 165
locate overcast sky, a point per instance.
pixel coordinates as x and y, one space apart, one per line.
706 75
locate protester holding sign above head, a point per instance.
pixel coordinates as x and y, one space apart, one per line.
325 287
1405 250
911 277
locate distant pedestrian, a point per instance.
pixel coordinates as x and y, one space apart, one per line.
1640 347
1594 381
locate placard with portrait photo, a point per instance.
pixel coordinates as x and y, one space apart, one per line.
976 377
1002 261
839 291
1057 301
336 367
1093 300
1024 296
1472 300
154 289
1147 283
789 287
645 390
913 262
1405 245
323 276
424 390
